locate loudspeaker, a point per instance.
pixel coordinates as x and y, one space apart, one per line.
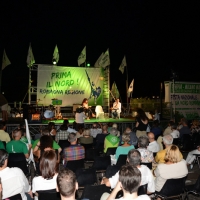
35 118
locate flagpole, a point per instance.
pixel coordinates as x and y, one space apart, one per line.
127 84
0 78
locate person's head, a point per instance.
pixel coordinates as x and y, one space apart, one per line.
45 131
134 157
46 141
48 164
174 127
85 100
172 154
95 125
170 123
66 122
143 141
86 132
17 134
184 122
66 183
141 114
155 123
114 125
105 128
72 138
51 125
63 127
117 100
127 130
2 125
151 137
113 131
167 140
126 137
3 158
130 178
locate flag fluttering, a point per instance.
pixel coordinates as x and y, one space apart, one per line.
114 91
56 54
130 89
30 58
82 57
5 60
105 60
98 62
123 65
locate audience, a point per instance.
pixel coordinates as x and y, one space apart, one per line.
13 180
95 130
74 151
125 147
115 126
2 145
160 156
17 146
185 130
146 155
190 157
155 129
134 159
49 172
101 137
133 137
175 133
111 140
4 136
174 167
67 184
153 145
62 134
129 182
86 139
52 129
168 130
69 129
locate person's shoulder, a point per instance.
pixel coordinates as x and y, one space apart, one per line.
16 170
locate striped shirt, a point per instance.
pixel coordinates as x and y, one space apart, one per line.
74 152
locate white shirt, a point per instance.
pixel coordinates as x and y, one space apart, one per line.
154 147
39 183
80 117
175 134
95 131
157 117
71 130
117 106
14 182
172 171
141 197
147 178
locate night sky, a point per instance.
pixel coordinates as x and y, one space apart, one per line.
155 36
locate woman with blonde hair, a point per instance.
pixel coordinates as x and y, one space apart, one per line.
174 167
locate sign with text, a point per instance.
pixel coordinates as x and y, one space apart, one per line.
69 84
185 97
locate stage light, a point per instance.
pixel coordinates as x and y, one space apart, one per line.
54 61
101 78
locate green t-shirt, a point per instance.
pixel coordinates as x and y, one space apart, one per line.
110 141
16 146
24 140
55 145
2 145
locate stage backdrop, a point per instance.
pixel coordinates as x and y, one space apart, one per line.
186 97
69 84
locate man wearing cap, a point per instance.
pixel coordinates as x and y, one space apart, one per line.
74 151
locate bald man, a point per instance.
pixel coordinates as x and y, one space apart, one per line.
153 145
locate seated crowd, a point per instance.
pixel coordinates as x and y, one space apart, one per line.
53 148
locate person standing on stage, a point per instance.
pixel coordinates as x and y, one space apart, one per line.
116 109
86 107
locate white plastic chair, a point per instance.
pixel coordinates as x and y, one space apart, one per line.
99 112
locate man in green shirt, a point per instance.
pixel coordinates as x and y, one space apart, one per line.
2 145
17 146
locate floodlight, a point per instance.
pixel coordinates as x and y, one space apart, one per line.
54 61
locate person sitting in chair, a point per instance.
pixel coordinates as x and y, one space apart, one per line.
116 109
129 182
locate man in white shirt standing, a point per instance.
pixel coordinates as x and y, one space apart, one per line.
116 109
134 159
13 179
153 145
